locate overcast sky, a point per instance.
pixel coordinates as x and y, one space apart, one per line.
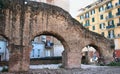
75 5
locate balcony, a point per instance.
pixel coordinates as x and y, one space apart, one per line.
109 7
86 25
111 36
86 17
118 24
110 26
109 17
49 45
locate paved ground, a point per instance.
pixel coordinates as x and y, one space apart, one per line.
86 69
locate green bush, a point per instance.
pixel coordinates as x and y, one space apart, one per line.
114 64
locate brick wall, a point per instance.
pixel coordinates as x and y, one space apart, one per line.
47 60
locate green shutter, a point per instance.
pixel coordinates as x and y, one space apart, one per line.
100 26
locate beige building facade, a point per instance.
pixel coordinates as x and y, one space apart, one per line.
103 17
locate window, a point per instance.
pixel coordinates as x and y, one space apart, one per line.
110 14
93 19
87 22
102 34
38 52
101 17
93 27
0 47
111 22
118 13
109 4
111 34
33 53
81 17
102 26
47 53
101 8
118 9
93 12
87 15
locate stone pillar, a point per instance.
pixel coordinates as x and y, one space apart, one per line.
26 58
19 58
71 59
15 57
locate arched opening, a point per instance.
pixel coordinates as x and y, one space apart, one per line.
4 52
91 54
46 52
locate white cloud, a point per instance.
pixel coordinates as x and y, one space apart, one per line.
75 5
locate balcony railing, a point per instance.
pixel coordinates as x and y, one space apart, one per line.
118 24
111 36
110 26
86 25
49 45
117 4
86 17
108 17
109 7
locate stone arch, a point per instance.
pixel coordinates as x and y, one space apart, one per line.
61 39
33 19
57 36
104 46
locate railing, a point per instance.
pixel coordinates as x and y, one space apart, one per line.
49 45
86 17
108 17
109 7
111 36
110 26
86 24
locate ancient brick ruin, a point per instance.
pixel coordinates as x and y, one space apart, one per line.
20 23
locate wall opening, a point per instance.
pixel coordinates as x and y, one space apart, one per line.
91 55
4 52
46 52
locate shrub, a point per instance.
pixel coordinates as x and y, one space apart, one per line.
114 64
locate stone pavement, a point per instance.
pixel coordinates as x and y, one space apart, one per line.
97 70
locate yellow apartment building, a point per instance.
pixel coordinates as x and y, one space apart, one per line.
103 17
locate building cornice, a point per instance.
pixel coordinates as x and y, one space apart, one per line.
96 5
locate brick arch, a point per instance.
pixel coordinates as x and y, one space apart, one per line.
103 46
64 43
32 19
57 36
